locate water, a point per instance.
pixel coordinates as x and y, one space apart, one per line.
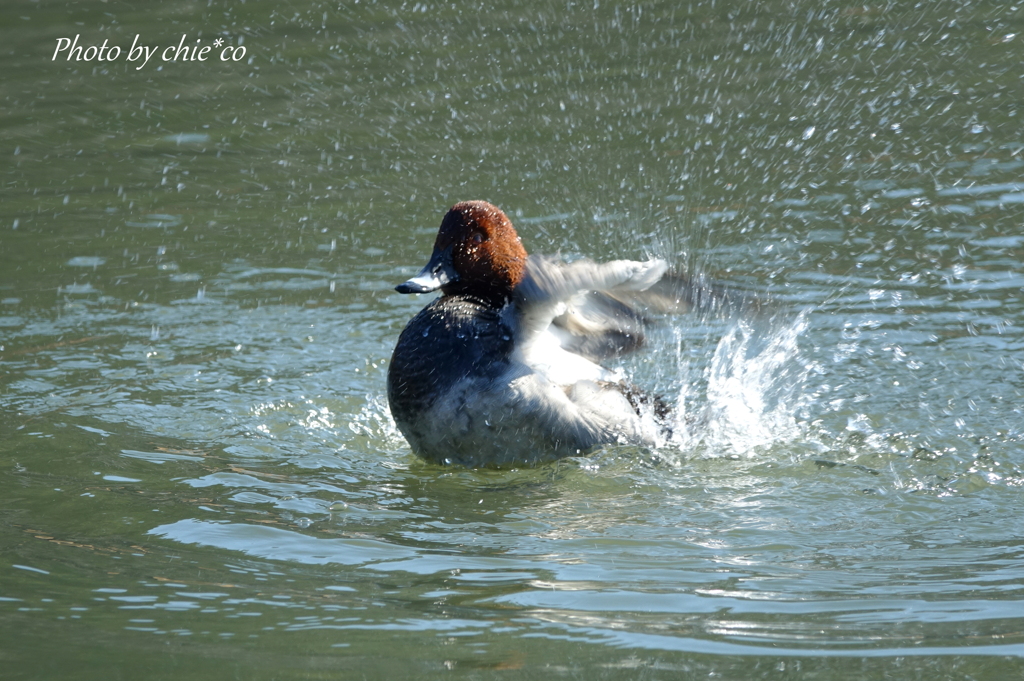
200 477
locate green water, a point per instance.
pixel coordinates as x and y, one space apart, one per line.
199 476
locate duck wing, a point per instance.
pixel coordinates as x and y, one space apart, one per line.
588 299
602 310
677 293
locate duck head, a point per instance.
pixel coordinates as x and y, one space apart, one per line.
477 252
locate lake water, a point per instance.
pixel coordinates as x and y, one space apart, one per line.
199 474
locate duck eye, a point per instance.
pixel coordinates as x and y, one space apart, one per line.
477 238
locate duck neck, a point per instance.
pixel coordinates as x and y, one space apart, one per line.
490 296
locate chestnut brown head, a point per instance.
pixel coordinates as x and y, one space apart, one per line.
477 252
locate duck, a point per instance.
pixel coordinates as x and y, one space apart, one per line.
505 368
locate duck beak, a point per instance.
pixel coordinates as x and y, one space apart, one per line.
437 273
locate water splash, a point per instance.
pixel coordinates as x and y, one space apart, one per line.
374 422
752 392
